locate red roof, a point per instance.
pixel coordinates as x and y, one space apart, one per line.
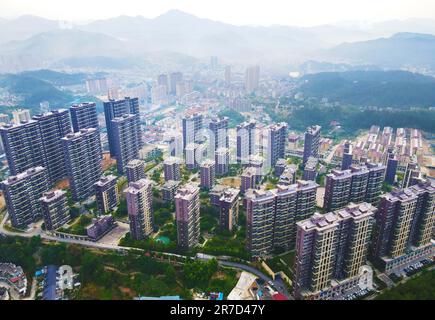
279 296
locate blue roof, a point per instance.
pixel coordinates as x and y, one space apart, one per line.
160 298
50 284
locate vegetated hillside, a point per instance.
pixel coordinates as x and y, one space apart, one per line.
57 78
372 88
401 50
33 91
234 117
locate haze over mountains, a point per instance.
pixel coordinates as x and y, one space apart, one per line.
30 42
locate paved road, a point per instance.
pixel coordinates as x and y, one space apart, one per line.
328 159
278 284
390 283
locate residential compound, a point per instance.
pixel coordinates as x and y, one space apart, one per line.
331 252
406 144
358 184
405 224
272 215
187 214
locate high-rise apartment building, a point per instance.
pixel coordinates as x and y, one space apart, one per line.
22 193
55 209
207 173
359 183
171 169
106 193
374 183
222 161
260 211
252 79
229 208
84 116
135 170
140 209
331 251
311 143
412 172
390 174
115 109
162 80
22 143
405 224
83 155
276 143
310 169
174 79
53 126
218 134
347 156
245 140
125 132
187 213
192 126
272 214
169 189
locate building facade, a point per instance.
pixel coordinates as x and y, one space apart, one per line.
22 193
107 195
187 213
55 209
140 209
135 170
311 143
126 140
116 109
83 156
331 248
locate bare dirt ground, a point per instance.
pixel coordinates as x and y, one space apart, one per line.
63 184
232 182
107 161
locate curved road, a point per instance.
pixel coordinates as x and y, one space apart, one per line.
279 285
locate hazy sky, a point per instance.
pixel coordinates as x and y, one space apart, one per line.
239 12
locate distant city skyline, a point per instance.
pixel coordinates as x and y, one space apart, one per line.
257 12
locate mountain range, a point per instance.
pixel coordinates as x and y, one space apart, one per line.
177 37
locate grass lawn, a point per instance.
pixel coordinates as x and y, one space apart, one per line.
420 287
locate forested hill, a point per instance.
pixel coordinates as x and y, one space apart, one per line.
372 88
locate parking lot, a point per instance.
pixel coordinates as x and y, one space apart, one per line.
416 267
113 237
